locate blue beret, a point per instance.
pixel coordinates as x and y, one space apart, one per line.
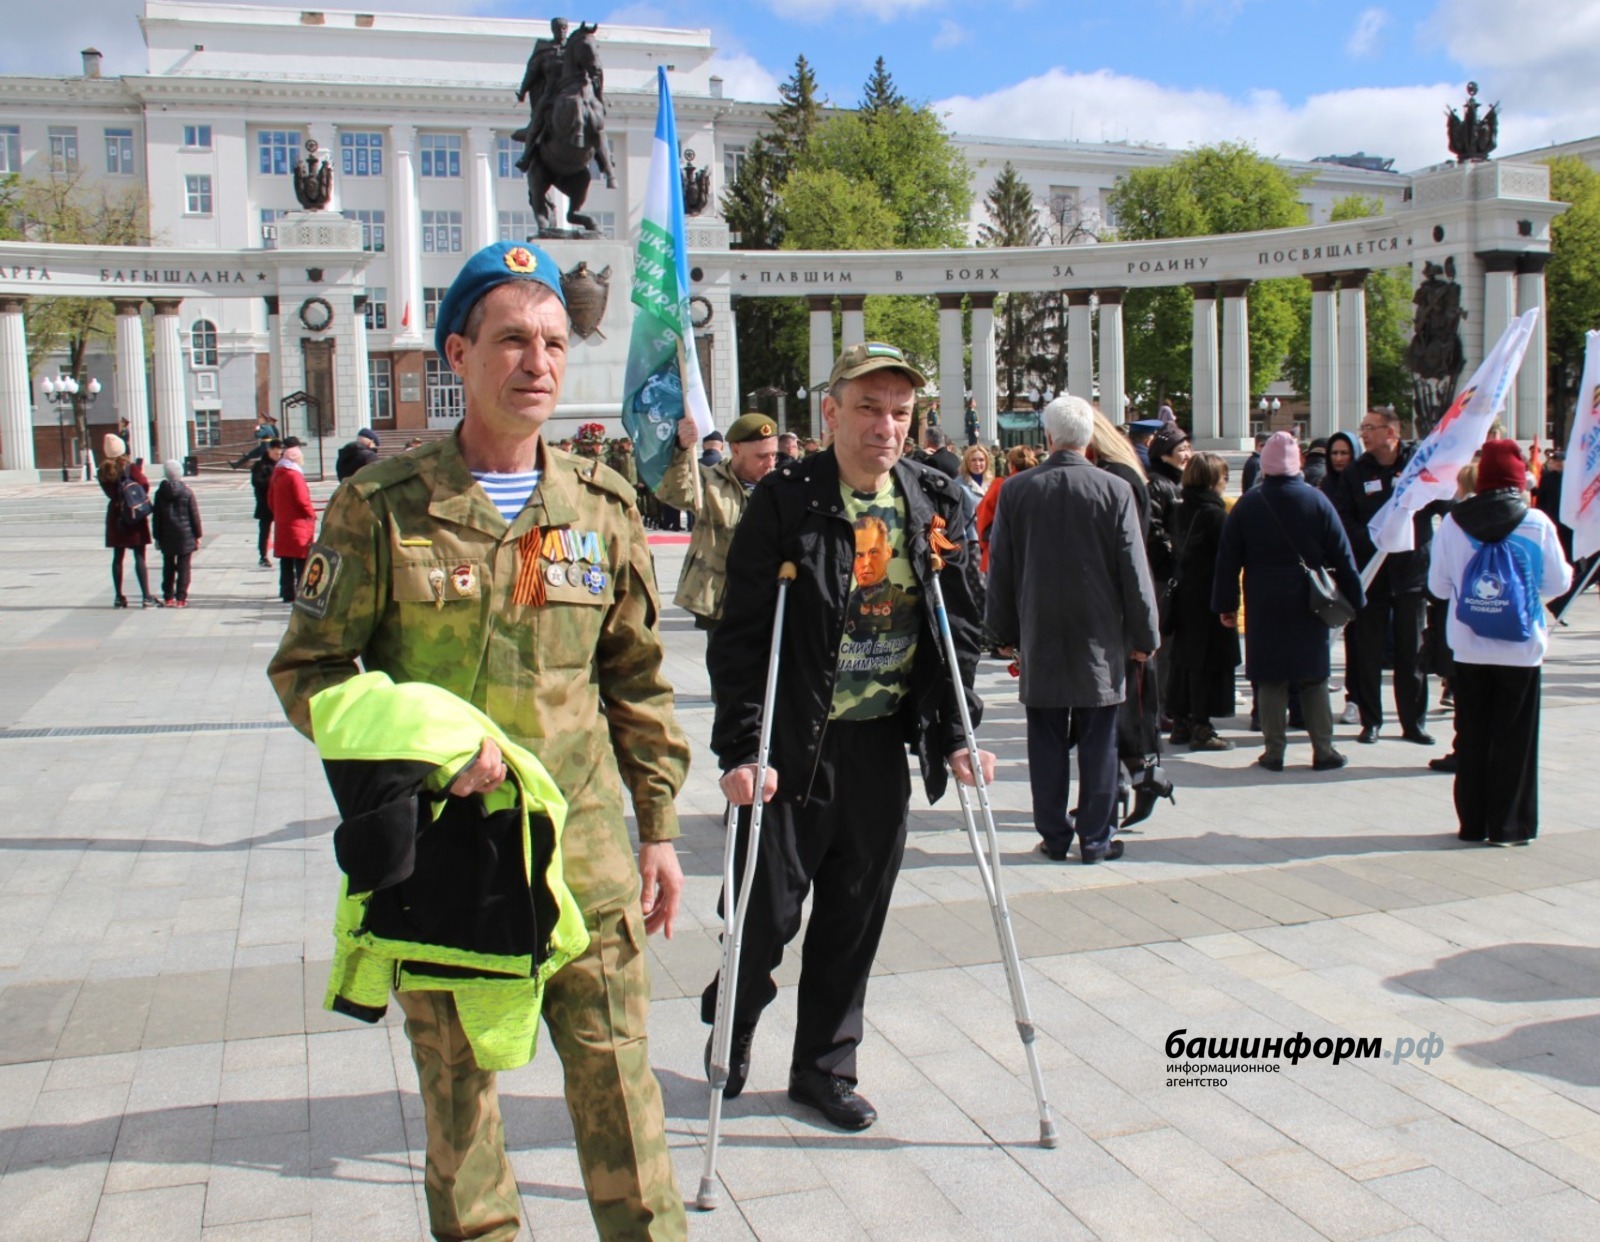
493 265
1147 425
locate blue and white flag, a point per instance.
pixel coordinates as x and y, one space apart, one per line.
662 384
1430 475
1580 490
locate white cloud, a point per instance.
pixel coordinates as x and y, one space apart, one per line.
951 34
1529 53
744 77
815 11
636 15
1363 39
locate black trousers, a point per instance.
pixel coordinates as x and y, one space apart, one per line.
263 530
1050 738
289 570
845 845
1497 752
175 575
1368 633
141 571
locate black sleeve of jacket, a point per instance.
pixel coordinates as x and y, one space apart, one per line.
1230 561
194 515
737 649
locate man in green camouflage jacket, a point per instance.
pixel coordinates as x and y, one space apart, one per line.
518 578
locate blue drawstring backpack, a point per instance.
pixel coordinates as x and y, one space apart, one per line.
1493 600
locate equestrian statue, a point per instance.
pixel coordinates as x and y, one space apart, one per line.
566 131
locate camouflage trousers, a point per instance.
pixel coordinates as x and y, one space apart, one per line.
595 1010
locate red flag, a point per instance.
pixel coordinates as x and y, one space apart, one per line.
405 319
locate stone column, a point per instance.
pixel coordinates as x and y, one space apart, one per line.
483 223
952 361
172 430
133 384
1499 309
985 390
358 361
1352 348
16 393
1205 421
275 393
853 328
821 356
405 235
1234 413
1324 355
1113 377
1533 378
1080 345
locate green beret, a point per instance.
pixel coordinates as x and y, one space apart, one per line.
751 427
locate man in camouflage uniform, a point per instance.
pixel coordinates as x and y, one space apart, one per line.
540 611
717 503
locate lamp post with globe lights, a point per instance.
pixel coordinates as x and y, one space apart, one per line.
66 393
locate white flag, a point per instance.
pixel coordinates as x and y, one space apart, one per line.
1580 490
1430 475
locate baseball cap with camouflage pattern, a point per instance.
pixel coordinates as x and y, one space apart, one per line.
870 356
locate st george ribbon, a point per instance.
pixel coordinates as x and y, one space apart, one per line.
662 383
1580 490
1430 475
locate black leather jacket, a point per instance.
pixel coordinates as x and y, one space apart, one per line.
796 514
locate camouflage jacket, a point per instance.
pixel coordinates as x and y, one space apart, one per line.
419 579
722 503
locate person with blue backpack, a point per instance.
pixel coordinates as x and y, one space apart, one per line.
1495 560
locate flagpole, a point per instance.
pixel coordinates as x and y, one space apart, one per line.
1583 586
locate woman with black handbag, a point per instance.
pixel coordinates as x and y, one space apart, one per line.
1282 534
127 517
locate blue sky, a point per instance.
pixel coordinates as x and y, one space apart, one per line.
1296 78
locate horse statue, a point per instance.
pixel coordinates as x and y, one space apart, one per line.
571 134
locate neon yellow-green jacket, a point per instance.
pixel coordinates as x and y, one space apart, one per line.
463 895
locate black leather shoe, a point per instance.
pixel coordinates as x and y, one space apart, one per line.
834 1097
1330 761
738 1060
1420 737
1052 855
1111 854
1272 763
1444 763
1368 735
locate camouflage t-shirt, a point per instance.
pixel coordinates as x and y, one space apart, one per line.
881 617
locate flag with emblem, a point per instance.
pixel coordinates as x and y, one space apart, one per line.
1580 491
662 384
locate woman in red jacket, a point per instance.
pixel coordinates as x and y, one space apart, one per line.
294 521
124 530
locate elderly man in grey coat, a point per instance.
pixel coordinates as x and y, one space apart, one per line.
1069 585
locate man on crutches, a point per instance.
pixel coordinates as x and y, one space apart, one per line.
861 673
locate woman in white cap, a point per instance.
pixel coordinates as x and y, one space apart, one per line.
126 527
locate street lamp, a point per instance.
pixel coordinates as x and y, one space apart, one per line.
65 393
1267 409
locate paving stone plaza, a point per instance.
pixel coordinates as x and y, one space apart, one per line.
167 1071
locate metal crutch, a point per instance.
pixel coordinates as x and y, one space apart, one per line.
989 868
733 911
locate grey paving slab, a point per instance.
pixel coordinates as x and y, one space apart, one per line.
164 934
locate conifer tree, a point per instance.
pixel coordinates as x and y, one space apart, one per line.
1013 221
880 94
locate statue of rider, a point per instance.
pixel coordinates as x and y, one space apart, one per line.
539 86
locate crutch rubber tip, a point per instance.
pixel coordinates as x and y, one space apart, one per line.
1047 1135
709 1198
788 571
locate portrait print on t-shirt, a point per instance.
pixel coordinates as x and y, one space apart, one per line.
881 618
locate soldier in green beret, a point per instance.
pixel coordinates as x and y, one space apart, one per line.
518 578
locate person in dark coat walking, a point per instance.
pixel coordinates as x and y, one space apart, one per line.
1273 528
357 455
1204 654
123 530
1170 451
177 532
1341 452
1079 608
260 477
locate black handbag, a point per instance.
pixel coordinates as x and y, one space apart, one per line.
1327 601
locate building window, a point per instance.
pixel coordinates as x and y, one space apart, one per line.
197 194
372 228
205 383
10 149
432 295
733 157
203 343
269 226
441 232
516 226
197 137
119 152
363 154
444 390
279 148
64 148
208 429
380 383
377 311
441 155
506 155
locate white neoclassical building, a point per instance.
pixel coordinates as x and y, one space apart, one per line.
417 113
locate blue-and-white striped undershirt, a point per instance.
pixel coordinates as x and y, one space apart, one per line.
509 492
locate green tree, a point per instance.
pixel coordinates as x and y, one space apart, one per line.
1013 221
880 94
1388 311
1227 188
1572 280
796 118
